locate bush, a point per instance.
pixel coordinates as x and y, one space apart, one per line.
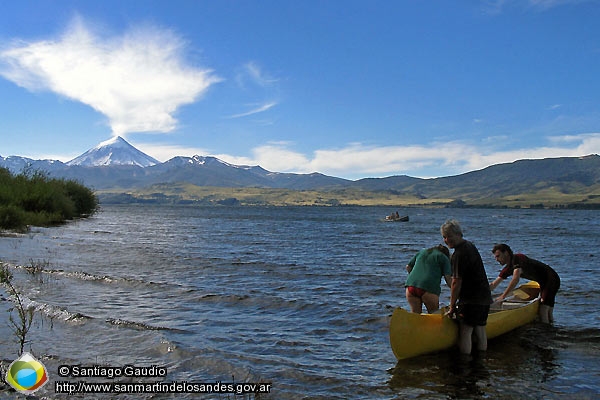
36 199
11 217
83 198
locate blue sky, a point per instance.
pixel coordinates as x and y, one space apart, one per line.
347 88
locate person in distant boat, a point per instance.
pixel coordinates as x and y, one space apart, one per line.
519 265
425 271
470 295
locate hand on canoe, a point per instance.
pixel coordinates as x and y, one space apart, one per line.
451 313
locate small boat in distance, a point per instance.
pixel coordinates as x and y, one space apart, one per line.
414 334
395 217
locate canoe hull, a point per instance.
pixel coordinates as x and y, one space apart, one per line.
414 334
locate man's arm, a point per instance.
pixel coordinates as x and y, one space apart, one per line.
511 285
496 282
454 292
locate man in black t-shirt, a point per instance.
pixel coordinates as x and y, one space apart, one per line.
519 265
470 295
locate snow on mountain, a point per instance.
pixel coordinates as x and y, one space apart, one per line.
115 164
116 151
15 164
207 161
18 164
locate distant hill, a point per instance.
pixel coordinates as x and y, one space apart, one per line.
566 175
115 167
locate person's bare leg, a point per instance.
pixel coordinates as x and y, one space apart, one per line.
415 303
481 336
432 302
465 341
545 313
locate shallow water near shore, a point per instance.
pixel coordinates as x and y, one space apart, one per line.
299 297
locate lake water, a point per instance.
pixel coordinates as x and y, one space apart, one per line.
298 297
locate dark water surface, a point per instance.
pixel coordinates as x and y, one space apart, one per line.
299 297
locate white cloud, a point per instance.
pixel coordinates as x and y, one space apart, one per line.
137 80
356 160
431 160
281 159
587 143
164 152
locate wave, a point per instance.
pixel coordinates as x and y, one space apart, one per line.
226 298
557 336
141 326
85 276
264 302
584 335
54 312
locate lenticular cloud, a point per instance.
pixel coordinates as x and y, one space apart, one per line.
137 80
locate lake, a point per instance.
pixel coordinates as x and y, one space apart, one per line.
296 297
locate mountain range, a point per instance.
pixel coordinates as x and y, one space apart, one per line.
117 166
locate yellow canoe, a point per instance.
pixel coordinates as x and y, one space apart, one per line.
415 334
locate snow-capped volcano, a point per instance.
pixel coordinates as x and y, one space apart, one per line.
115 151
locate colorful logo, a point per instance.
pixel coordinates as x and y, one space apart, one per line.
26 374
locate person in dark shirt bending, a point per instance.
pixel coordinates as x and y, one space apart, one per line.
519 265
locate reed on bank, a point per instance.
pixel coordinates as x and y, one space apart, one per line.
33 198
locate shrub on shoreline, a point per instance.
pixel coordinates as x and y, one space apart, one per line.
35 199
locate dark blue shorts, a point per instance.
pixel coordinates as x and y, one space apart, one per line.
549 288
473 314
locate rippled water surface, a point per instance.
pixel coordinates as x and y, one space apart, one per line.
299 297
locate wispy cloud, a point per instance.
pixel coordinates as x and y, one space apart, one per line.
498 6
259 87
256 110
253 72
545 4
137 80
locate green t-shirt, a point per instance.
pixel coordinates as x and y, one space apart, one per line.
428 268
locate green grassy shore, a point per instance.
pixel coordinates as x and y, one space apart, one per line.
202 195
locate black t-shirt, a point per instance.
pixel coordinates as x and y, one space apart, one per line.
531 269
467 265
